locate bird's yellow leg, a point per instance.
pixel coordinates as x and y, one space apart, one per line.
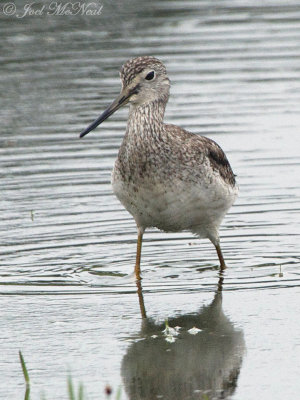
137 268
220 255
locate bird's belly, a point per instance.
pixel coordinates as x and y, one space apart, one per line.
176 205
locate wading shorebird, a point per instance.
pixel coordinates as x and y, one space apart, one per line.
165 176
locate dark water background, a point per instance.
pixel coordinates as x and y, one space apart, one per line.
67 247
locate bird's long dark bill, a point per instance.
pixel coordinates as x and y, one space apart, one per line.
120 101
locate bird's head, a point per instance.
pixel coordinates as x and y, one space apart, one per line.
144 80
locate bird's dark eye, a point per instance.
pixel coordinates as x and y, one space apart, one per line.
150 76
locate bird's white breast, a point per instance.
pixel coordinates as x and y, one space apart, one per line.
176 205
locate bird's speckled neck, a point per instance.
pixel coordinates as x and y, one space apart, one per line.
146 118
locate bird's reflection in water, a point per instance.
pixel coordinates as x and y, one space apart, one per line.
204 365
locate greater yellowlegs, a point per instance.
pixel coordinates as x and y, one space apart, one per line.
165 176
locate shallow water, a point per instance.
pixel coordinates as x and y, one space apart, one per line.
68 296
